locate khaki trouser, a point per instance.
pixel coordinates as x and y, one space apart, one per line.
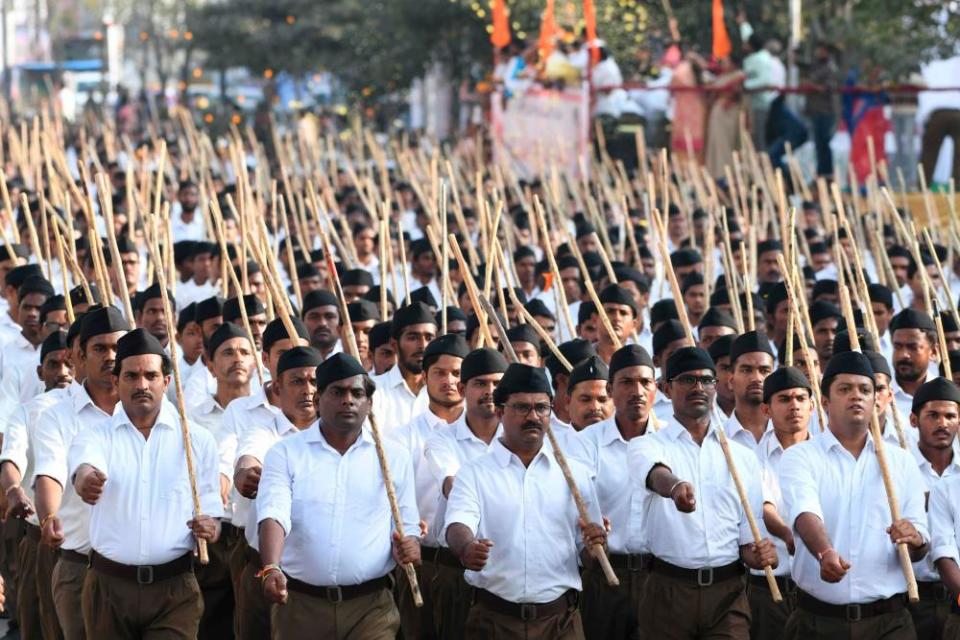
672 608
895 625
68 577
451 597
951 628
164 610
483 623
416 623
369 617
611 612
46 559
28 609
769 617
11 532
253 611
930 615
216 587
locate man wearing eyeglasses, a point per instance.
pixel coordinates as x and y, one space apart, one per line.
611 612
695 525
513 524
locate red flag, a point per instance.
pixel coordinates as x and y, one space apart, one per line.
547 30
721 40
590 18
501 25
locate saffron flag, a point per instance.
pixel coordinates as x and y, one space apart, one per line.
721 40
547 30
590 19
501 26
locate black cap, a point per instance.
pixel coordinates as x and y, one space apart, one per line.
231 308
631 355
537 307
53 303
692 280
769 245
453 314
776 295
151 293
936 389
276 331
852 362
100 321
954 362
912 319
688 359
211 307
878 362
56 341
685 258
822 310
320 298
35 284
841 342
782 379
415 313
380 335
16 276
424 295
615 294
481 362
78 296
575 351
226 331
356 278
521 378
593 368
750 342
715 317
138 342
585 311
523 333
337 367
297 358
825 286
720 348
373 295
663 310
949 322
187 315
450 344
307 270
666 333
880 293
362 310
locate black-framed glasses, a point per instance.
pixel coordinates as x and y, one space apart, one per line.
707 382
542 409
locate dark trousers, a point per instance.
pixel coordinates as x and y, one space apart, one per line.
823 125
484 623
369 617
610 613
28 609
164 610
951 628
895 625
451 597
216 586
253 610
675 609
46 560
416 623
931 613
11 532
940 124
769 617
67 586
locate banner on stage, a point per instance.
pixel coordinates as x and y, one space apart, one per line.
540 128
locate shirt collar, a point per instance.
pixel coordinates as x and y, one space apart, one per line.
674 430
923 463
462 431
610 432
167 417
313 435
503 456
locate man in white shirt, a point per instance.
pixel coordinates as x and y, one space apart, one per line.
936 417
203 280
294 387
445 452
847 570
514 525
363 316
187 223
321 316
667 339
752 360
149 313
695 524
401 395
589 401
64 518
788 404
914 342
881 303
441 369
621 310
256 315
189 346
35 611
230 357
575 351
611 612
133 470
334 580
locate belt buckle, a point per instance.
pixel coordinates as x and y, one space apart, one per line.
528 612
854 613
705 581
335 595
145 575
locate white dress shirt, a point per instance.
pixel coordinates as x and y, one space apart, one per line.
445 452
18 375
209 414
413 438
255 441
770 454
180 230
55 431
141 516
822 478
945 519
606 458
738 433
663 408
925 570
394 404
903 399
17 439
531 518
239 417
711 535
334 507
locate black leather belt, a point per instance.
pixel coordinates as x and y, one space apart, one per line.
631 561
785 584
444 556
933 591
145 574
339 593
229 532
33 532
74 556
529 611
849 612
704 577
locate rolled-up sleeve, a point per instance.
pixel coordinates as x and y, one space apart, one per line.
441 457
463 506
50 448
89 447
798 482
943 528
15 441
275 494
255 442
643 454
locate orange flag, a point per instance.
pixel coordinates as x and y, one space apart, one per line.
590 18
721 40
501 25
547 30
